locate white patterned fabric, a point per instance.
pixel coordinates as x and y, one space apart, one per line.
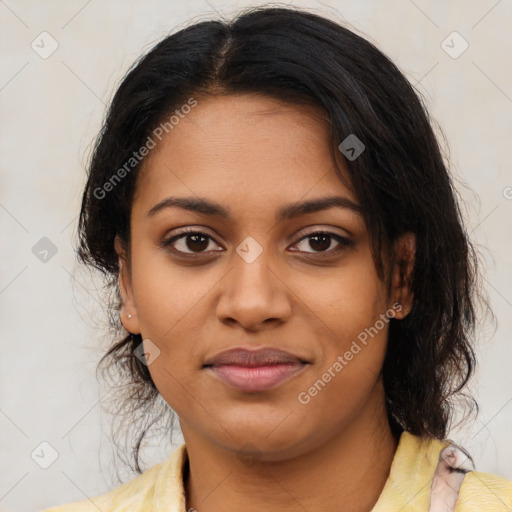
454 462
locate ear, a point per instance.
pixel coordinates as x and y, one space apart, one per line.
128 315
401 295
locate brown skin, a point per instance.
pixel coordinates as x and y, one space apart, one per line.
266 450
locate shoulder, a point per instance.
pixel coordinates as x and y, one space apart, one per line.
133 495
139 494
484 491
423 477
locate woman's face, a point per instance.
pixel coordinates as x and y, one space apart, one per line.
256 277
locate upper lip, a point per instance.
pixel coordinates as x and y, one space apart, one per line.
253 357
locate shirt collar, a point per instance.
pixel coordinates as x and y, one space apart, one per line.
408 485
407 488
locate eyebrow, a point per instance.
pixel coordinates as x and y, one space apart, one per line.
290 211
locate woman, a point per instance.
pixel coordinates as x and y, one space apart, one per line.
270 204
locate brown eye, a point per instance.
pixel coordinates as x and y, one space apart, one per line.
196 242
322 241
189 242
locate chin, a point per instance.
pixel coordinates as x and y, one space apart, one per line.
279 437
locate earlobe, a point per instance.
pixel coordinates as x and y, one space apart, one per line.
401 293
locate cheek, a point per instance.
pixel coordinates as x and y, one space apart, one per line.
167 297
350 313
169 302
346 300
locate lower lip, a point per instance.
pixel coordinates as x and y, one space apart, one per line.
256 378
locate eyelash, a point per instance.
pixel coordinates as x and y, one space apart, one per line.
344 242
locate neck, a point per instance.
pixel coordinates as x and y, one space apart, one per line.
350 468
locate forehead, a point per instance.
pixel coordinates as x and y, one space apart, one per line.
248 151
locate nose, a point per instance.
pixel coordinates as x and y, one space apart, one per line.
253 295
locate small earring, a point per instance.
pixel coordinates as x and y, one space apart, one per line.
129 316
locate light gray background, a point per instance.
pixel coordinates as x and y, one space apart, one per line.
51 109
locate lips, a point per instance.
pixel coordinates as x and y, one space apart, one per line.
251 370
248 357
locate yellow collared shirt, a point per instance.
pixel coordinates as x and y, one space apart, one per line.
407 489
